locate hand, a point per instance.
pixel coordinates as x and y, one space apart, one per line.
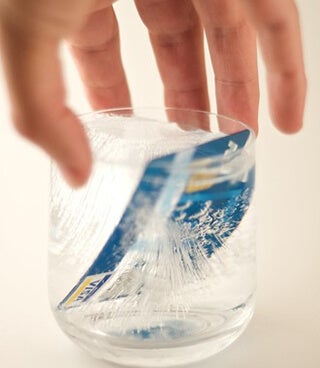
32 30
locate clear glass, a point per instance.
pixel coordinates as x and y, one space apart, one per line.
168 278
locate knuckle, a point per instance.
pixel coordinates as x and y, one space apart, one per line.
276 25
103 40
93 47
169 30
281 21
230 30
174 38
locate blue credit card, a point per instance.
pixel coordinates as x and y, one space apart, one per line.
176 187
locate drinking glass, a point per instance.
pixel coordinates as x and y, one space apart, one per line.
152 262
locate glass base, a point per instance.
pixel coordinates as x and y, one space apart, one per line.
170 343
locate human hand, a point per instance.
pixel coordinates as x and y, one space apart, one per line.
32 30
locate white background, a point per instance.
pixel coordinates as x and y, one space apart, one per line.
285 331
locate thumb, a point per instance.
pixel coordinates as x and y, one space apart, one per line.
33 72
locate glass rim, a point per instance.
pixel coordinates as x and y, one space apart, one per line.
164 109
90 116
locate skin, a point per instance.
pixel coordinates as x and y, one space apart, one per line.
31 31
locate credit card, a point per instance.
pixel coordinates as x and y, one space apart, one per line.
186 188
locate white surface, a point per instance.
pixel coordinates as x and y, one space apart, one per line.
285 331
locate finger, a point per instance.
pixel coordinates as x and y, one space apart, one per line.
232 48
177 39
96 49
279 33
37 95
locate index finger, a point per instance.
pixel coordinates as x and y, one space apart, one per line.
277 23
